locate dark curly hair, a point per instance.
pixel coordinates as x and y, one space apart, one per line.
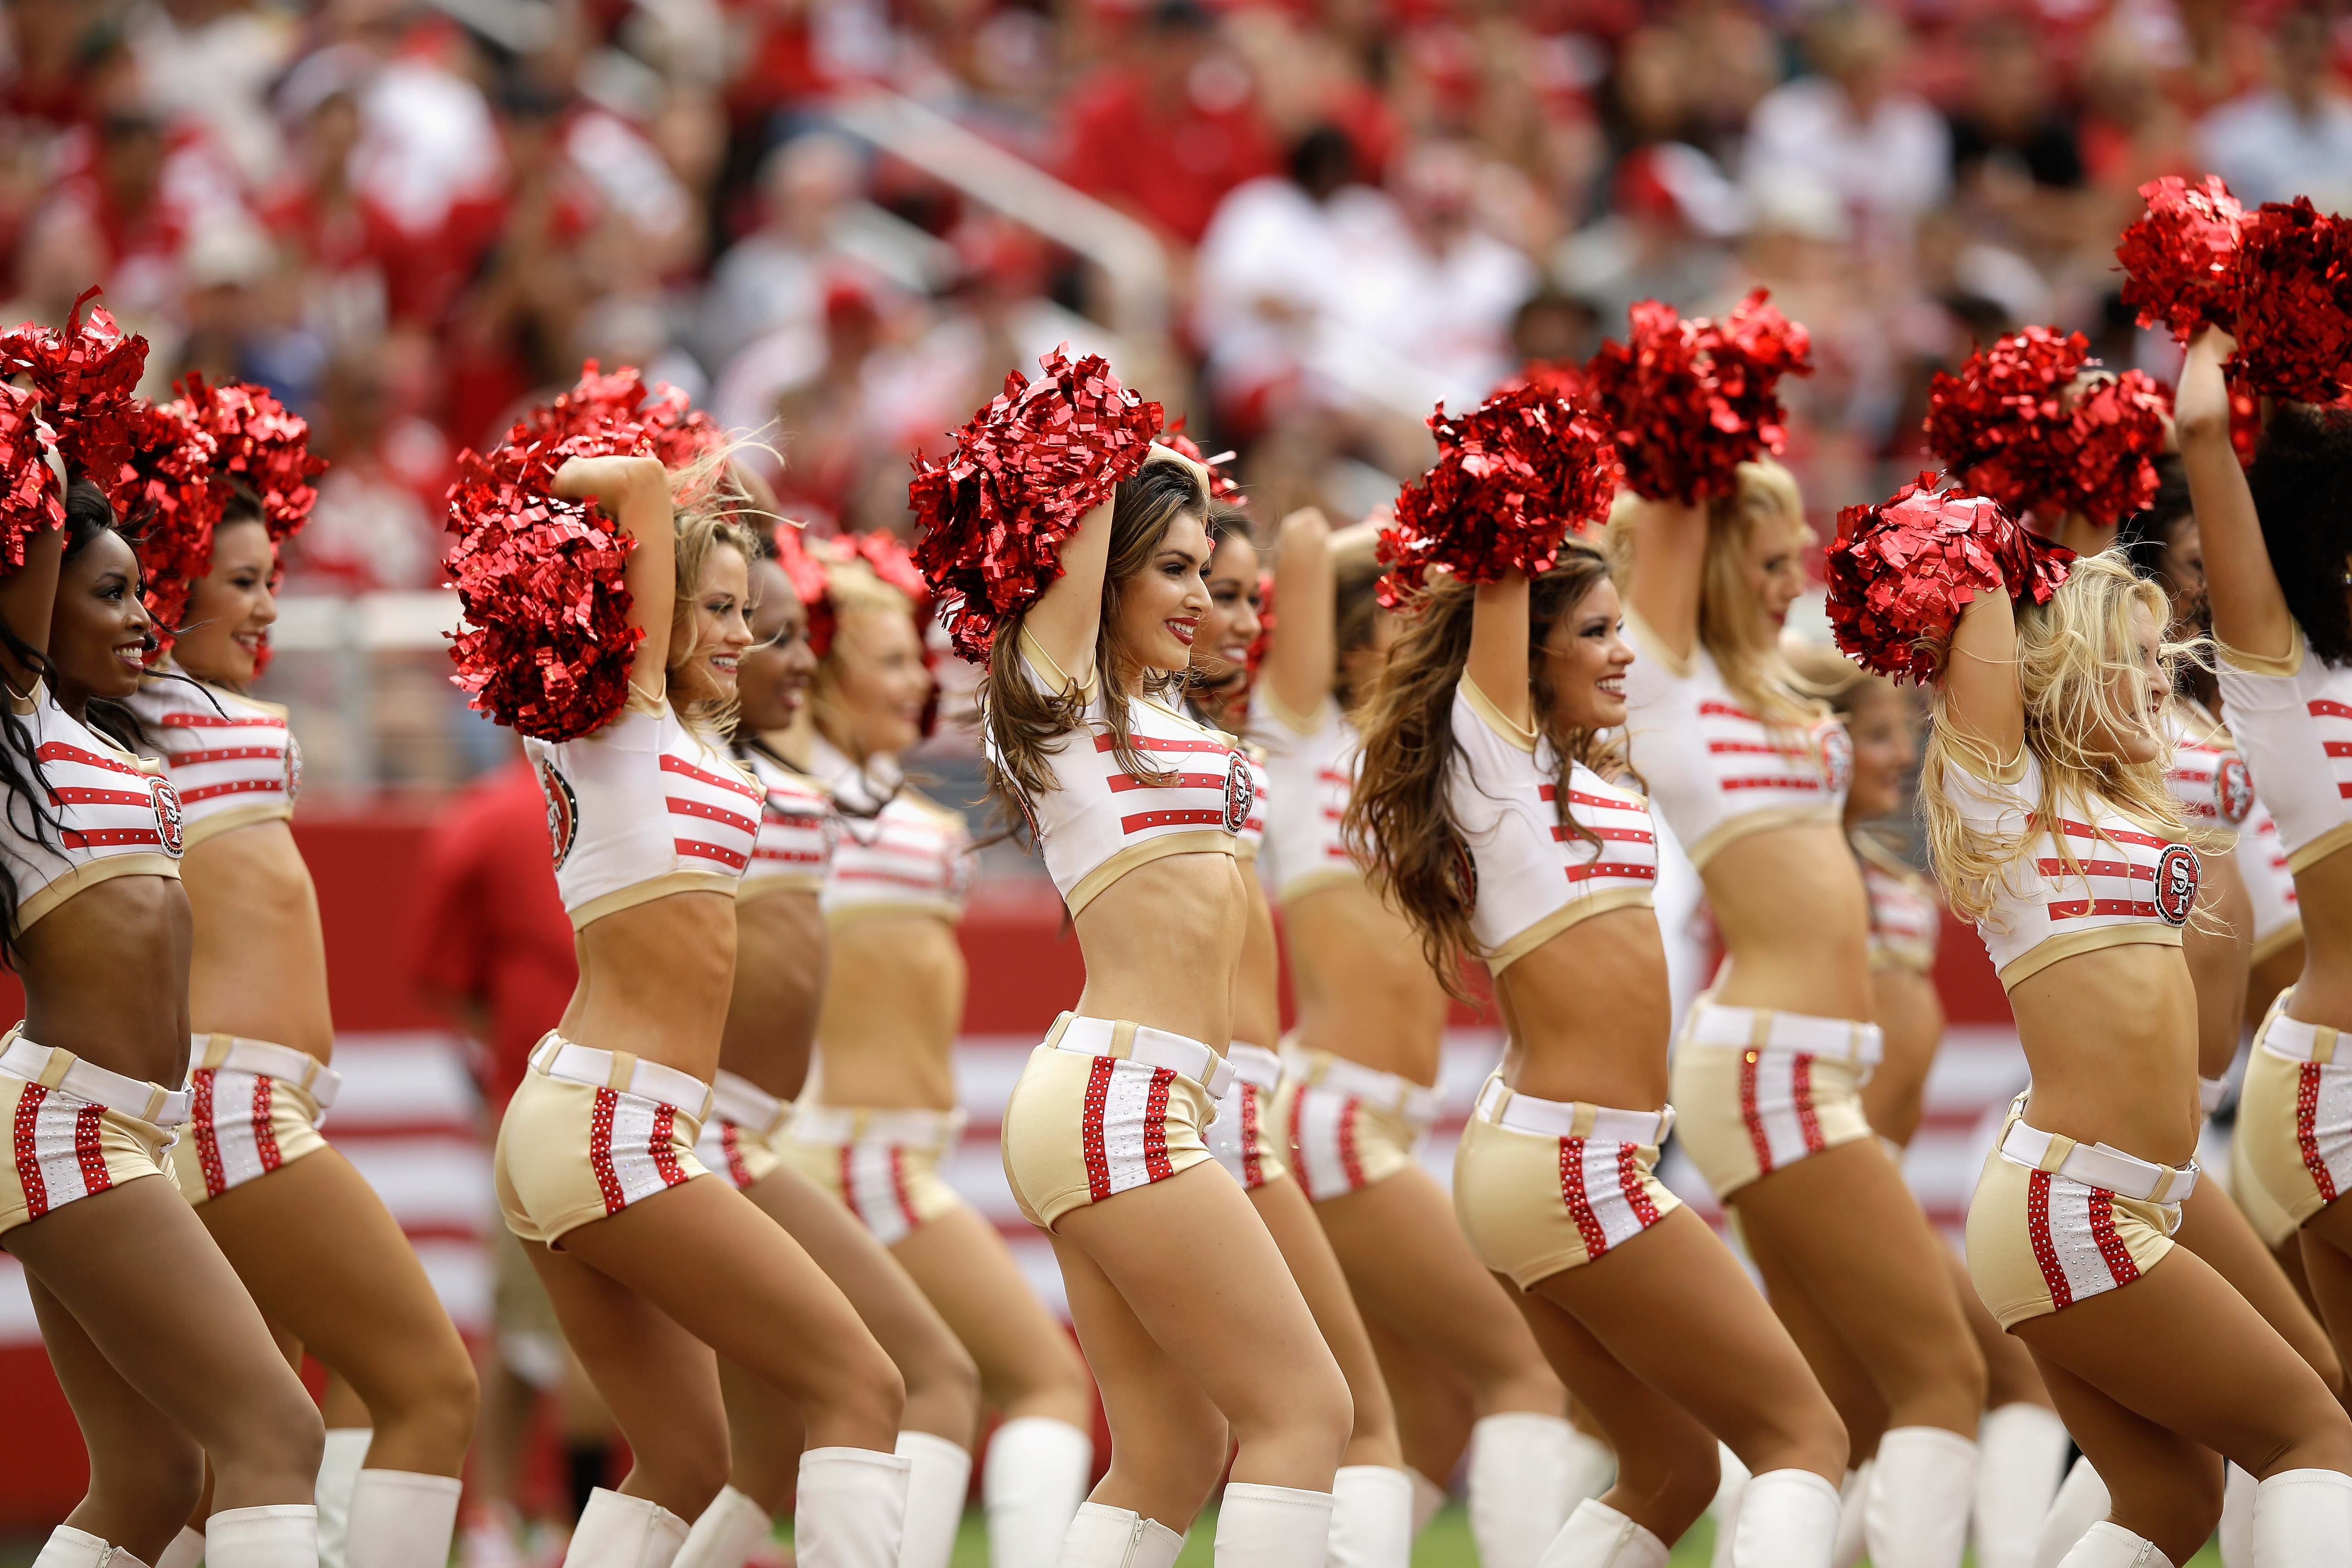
2301 484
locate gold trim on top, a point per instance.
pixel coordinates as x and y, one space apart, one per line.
2279 666
1200 841
1559 920
1523 737
2050 950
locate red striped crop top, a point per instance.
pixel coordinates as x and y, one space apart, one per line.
899 853
642 808
1716 771
1536 876
232 759
2093 879
1310 766
793 850
1905 917
2207 777
2292 719
114 815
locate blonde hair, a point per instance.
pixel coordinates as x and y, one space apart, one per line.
705 505
2071 654
853 588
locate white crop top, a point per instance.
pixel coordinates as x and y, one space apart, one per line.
232 759
113 814
2293 720
900 854
793 850
1536 877
1310 765
2126 884
2207 777
642 808
1718 770
1905 917
2270 885
1099 821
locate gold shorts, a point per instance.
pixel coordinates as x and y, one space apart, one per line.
63 1147
2264 1213
242 1125
1533 1205
1080 1129
571 1153
1745 1113
1340 1138
2039 1242
2294 1123
738 1151
1241 1137
883 1165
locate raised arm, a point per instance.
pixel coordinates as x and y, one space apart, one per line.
2250 613
1984 700
1498 647
1301 660
634 492
1669 557
1066 617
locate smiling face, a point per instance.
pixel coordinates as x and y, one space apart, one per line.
99 634
1883 726
1221 650
1585 656
720 629
231 608
1160 609
2136 693
772 679
872 685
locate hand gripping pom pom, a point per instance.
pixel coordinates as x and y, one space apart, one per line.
1026 470
2180 256
1511 481
2015 425
28 489
1901 572
86 377
2294 304
1690 401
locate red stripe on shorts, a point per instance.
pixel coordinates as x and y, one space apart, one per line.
1757 1138
1579 1202
1628 1182
87 1129
2111 1246
599 1152
898 1187
1801 1084
2306 1130
264 1135
1156 1167
27 1150
1252 1166
1348 1164
1091 1128
2045 1251
208 1155
730 1145
662 1145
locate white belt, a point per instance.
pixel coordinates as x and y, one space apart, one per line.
1506 1107
736 1099
1255 1066
2211 1092
284 1063
623 1072
2096 1165
1382 1090
68 1073
915 1127
1762 1029
1153 1047
2295 1039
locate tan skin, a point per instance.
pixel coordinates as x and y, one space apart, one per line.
2157 1377
1198 1336
1366 993
634 1292
780 937
165 1360
351 1290
1838 1228
1662 1338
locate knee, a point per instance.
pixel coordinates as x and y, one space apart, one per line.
686 1470
152 1490
277 1442
862 1383
1310 1408
1672 1484
1183 1452
2178 1508
944 1371
436 1400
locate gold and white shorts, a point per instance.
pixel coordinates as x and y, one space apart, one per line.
590 1132
2294 1114
741 1136
1755 1092
1104 1107
71 1134
1541 1186
883 1163
255 1107
1347 1126
1241 1137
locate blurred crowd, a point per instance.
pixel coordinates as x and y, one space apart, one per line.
1303 222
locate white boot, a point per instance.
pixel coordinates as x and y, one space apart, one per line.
2302 1519
1518 1486
2108 1545
1853 1496
1371 1517
1788 1518
2237 1532
1030 1485
2020 1458
724 1532
851 1510
1428 1501
400 1518
1915 1514
1726 1506
275 1535
340 1463
2081 1502
938 1481
187 1549
1592 1467
1273 1527
1101 1536
1598 1536
69 1548
619 1531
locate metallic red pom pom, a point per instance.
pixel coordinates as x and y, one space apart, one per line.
1221 485
1689 401
2180 258
29 501
2017 425
172 499
2295 302
87 378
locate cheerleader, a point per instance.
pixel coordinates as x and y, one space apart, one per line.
883 1112
1769 1069
651 1266
1376 1501
322 1257
779 973
1359 1071
166 1361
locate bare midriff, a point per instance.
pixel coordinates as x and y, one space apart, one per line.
260 964
2323 995
1910 1015
1162 945
1588 1014
656 979
1364 990
1257 993
106 975
780 968
892 1006
2111 1038
1795 922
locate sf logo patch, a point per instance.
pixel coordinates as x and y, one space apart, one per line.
293 767
563 812
2233 788
1241 793
171 824
1837 758
2176 884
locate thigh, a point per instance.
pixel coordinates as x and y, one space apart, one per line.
2327 1274
1290 1220
1435 1408
2166 1487
2214 1228
1841 1376
116 1419
2010 1377
969 1275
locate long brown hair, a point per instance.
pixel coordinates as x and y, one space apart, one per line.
1027 724
1355 588
1399 825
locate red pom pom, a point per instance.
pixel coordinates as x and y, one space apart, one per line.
2012 425
2181 257
895 564
262 446
1900 573
1690 401
172 498
29 501
2116 432
87 378
2294 304
1222 485
1026 470
1511 480
806 575
621 407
